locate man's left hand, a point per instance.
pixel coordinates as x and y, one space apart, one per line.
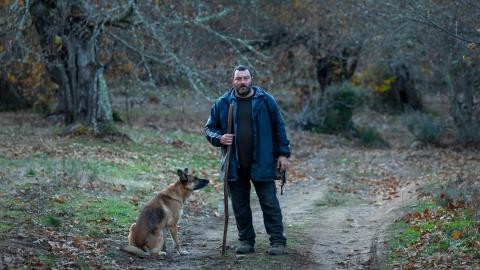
282 163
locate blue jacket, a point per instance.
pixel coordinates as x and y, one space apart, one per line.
269 136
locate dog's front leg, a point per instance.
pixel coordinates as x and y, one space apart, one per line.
173 232
157 245
164 247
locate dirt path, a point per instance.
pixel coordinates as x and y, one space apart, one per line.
344 236
340 201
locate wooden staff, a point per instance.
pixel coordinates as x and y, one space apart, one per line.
225 180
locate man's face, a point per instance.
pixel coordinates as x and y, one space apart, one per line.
242 82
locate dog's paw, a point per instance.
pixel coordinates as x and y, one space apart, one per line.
162 254
183 252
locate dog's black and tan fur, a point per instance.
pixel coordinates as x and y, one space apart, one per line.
162 212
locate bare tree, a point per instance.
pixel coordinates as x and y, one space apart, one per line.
68 32
81 42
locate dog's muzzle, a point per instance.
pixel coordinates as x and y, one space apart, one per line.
201 183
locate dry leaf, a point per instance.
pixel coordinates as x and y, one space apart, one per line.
134 200
60 199
77 241
456 235
118 188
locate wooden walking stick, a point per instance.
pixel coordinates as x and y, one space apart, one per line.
225 180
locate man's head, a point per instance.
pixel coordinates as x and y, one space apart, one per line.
242 80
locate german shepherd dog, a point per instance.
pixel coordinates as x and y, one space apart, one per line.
162 212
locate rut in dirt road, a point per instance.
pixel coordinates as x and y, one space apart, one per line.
343 236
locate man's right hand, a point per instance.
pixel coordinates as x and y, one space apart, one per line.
226 139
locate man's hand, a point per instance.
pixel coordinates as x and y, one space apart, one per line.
226 139
282 163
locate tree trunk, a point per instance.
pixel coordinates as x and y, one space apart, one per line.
335 67
69 42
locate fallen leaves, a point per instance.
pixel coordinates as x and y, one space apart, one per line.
438 238
456 235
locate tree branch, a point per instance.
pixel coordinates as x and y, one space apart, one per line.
433 24
123 18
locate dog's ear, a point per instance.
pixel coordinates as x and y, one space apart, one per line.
185 170
182 175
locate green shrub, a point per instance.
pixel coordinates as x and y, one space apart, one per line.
52 221
424 127
468 134
370 137
116 116
464 92
332 112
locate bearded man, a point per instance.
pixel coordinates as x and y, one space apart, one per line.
258 144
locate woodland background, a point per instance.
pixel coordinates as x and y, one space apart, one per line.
102 100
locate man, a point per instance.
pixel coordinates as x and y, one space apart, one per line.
258 144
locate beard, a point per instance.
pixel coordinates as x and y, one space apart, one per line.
243 90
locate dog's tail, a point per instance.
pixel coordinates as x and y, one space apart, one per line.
135 250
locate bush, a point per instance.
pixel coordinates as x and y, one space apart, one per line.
391 86
332 112
464 92
468 135
458 193
370 137
424 127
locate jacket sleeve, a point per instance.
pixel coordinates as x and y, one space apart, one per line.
213 128
282 144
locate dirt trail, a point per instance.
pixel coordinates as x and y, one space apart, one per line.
338 201
321 235
344 237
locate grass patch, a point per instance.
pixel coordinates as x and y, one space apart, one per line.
58 188
344 161
425 204
13 214
458 225
5 227
49 261
9 219
52 221
100 214
294 234
82 264
30 173
342 193
431 233
334 199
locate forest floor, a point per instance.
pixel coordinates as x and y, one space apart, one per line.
68 201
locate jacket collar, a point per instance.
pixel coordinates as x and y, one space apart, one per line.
257 99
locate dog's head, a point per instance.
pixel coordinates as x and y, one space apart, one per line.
191 182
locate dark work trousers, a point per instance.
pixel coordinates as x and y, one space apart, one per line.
272 214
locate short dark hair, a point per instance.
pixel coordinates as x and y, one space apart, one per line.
240 68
